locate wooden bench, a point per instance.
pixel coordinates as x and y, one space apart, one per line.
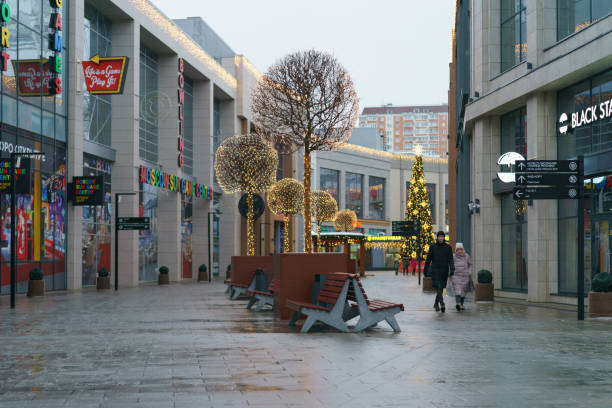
372 311
331 307
239 288
263 297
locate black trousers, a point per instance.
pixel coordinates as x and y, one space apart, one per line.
439 292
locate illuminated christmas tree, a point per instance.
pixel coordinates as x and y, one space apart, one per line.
417 209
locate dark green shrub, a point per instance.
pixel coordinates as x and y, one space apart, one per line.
202 268
485 276
229 267
427 273
602 282
36 274
163 270
103 273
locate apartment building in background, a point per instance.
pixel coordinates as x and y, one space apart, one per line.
403 128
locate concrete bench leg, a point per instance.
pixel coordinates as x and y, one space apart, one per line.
262 301
310 320
227 290
349 312
294 318
237 292
252 301
393 323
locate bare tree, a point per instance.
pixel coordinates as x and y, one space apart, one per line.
306 100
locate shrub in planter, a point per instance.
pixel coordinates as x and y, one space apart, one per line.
227 271
600 297
103 281
484 288
602 282
427 284
202 275
36 274
36 284
163 279
485 276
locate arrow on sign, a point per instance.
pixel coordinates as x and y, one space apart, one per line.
521 165
95 59
521 179
518 193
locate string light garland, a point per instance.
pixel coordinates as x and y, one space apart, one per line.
417 209
323 207
286 197
345 220
306 100
246 163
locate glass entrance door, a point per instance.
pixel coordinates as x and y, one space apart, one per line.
601 258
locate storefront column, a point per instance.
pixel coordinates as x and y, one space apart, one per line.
542 263
229 233
125 130
74 153
169 202
486 226
203 171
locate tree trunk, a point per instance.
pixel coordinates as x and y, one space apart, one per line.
307 220
250 226
287 246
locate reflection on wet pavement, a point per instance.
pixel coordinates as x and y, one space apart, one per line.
187 345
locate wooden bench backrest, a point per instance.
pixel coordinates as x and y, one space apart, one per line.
332 287
351 292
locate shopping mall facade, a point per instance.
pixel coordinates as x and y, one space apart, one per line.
181 95
519 68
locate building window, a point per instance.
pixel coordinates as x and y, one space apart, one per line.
353 193
188 127
513 33
147 239
514 243
514 132
574 15
149 105
377 198
446 204
586 138
186 232
330 182
96 223
97 109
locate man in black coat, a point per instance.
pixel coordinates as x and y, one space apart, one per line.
440 256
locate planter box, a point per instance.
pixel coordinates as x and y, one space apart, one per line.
202 276
600 304
427 284
296 272
163 279
103 282
483 292
243 267
36 287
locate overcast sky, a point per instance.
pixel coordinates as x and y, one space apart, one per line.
397 51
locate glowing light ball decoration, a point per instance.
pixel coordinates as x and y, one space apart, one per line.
345 220
323 208
286 197
246 163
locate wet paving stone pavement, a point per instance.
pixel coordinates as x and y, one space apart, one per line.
188 345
